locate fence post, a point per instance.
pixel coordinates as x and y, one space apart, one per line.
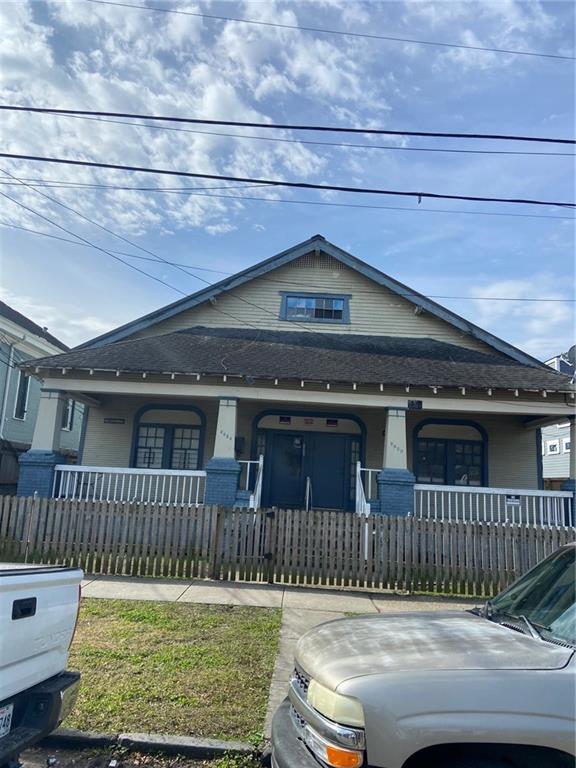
270 546
33 518
215 545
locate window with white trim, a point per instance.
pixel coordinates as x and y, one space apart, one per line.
68 415
566 445
552 447
22 390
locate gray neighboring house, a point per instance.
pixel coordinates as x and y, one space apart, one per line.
22 340
556 447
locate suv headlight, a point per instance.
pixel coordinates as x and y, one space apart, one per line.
335 706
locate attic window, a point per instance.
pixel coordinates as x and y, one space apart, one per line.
315 308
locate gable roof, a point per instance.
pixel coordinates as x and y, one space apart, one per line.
29 325
296 355
319 244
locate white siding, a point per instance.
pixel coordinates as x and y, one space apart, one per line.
373 309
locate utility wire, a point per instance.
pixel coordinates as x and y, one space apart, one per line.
290 184
242 321
322 143
194 193
9 225
283 282
156 256
110 253
340 32
280 126
59 183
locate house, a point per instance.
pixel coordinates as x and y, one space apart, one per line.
556 444
22 340
311 379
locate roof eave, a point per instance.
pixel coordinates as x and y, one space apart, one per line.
295 252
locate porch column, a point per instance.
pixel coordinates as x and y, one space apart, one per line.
395 481
223 471
37 464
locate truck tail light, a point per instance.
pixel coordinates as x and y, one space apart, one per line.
77 616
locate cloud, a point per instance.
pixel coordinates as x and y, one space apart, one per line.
541 328
506 24
63 323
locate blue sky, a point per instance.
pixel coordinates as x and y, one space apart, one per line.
87 56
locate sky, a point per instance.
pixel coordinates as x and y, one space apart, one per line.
75 54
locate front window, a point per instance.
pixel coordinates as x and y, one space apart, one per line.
319 308
167 446
545 596
552 447
21 404
449 462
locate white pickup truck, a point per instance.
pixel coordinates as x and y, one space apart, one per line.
38 614
494 687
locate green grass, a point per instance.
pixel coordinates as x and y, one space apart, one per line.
173 668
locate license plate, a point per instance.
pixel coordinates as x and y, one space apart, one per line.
6 719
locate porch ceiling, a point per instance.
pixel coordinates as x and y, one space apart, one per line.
313 357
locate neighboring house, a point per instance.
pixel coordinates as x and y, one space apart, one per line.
22 340
556 453
349 384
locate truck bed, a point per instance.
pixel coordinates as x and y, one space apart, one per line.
38 612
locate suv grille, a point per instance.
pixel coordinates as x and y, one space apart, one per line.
302 680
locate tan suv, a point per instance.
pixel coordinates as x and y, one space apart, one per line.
493 687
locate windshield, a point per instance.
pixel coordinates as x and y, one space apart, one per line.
545 596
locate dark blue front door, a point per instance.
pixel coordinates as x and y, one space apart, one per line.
285 472
293 457
326 466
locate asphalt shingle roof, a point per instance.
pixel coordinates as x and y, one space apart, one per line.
29 325
312 356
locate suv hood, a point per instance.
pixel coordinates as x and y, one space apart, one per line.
366 645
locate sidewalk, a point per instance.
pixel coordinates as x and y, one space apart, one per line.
324 599
302 609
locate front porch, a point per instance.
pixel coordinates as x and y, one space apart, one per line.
303 450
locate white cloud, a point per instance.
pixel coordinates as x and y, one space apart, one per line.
60 321
541 328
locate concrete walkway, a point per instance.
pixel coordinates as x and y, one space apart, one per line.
302 609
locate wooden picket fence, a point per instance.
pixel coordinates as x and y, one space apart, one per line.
287 546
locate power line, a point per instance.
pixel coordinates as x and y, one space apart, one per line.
159 258
284 282
342 33
112 250
87 242
110 253
290 184
280 126
59 183
322 143
146 250
191 191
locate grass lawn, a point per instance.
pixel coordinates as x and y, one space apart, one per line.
174 668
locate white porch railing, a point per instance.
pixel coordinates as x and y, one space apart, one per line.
251 480
364 488
494 505
156 486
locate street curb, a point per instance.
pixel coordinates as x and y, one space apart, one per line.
148 742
